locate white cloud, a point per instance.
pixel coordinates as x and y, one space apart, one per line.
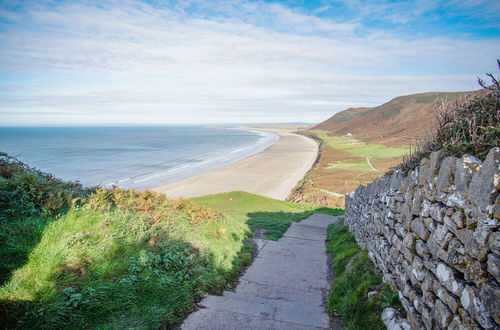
244 61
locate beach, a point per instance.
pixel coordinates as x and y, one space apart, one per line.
271 173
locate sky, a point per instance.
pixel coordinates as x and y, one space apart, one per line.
223 61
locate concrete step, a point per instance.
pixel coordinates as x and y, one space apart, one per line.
208 319
302 230
312 297
273 309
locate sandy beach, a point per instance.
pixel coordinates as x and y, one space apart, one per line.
272 172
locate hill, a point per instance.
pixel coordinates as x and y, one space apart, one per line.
81 258
359 145
395 122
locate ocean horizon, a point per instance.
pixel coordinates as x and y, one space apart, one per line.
138 157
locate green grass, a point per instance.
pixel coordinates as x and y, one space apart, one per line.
273 216
117 269
361 165
86 258
360 148
354 278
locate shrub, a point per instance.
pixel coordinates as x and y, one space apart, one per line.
470 125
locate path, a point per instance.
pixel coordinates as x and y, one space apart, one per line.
271 173
284 288
371 165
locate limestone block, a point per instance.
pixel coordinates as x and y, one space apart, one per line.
437 212
449 299
442 314
418 227
447 277
494 242
428 319
435 160
465 169
486 182
446 174
490 297
421 248
471 302
494 266
430 224
458 218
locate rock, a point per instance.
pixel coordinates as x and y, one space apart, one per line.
437 212
458 218
392 321
465 169
442 314
446 174
474 306
494 266
417 226
421 248
435 160
447 277
486 182
449 299
494 242
490 297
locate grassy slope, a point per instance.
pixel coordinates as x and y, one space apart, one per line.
343 165
354 278
116 259
260 212
116 269
382 134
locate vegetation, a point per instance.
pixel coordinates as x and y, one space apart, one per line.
355 277
271 216
88 258
470 125
75 257
345 162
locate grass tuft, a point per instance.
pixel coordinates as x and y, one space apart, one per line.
354 277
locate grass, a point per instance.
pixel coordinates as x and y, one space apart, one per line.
342 166
116 269
360 148
79 258
357 165
354 277
75 257
259 212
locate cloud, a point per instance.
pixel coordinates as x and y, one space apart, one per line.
209 61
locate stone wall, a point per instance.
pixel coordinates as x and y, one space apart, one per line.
433 234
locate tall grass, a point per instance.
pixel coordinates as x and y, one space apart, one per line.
73 257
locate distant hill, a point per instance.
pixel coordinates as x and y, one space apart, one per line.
394 122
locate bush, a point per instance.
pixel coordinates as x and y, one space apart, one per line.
467 126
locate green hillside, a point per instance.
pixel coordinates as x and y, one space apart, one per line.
75 257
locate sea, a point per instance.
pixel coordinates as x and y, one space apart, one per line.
138 157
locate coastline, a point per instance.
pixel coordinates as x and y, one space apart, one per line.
272 172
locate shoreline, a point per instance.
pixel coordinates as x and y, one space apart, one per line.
272 172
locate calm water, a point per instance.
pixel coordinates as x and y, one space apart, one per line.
130 156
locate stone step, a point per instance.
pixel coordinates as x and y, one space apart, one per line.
209 319
312 297
302 230
273 309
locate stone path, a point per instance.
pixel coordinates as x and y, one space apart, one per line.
284 288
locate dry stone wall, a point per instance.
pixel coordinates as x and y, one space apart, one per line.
433 234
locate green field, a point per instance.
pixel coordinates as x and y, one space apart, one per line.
360 148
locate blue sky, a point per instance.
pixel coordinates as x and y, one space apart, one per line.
221 61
